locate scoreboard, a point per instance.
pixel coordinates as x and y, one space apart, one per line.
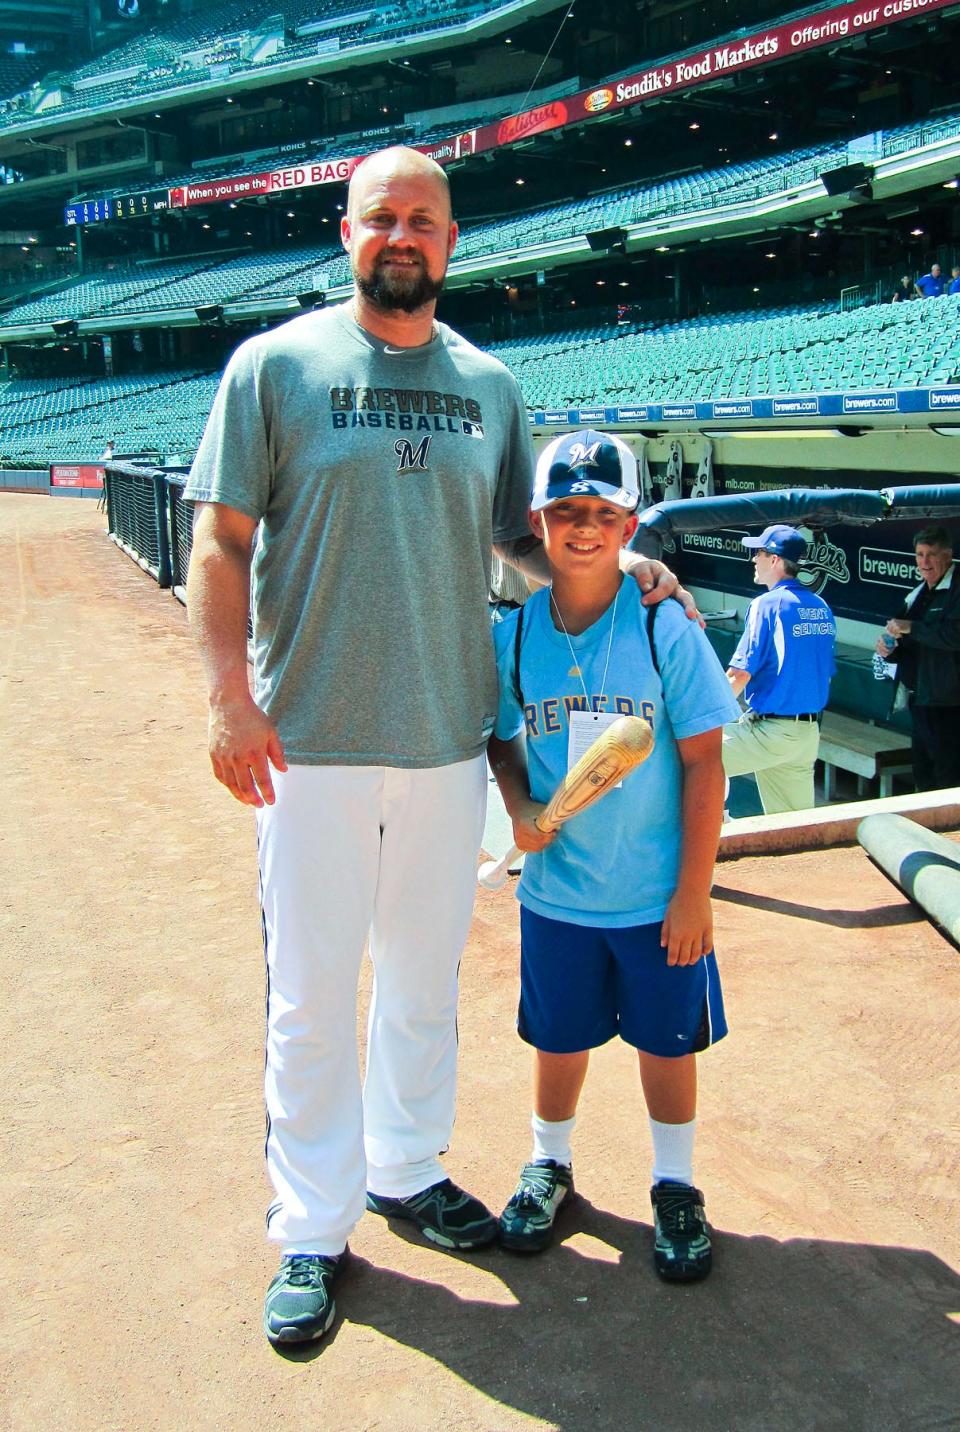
135 206
91 211
124 206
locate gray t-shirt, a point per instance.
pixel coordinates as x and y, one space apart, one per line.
381 478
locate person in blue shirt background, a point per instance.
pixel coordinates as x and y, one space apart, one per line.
783 664
616 926
954 285
931 284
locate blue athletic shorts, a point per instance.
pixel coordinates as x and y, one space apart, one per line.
579 986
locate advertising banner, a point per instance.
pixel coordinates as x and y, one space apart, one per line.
274 181
864 573
760 47
82 474
779 42
793 405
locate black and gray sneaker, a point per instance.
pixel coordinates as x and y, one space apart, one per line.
681 1248
444 1214
526 1224
299 1305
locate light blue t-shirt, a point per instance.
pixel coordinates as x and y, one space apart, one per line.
617 863
787 647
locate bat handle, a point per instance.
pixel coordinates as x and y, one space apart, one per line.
493 873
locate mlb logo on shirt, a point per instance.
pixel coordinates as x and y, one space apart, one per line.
472 430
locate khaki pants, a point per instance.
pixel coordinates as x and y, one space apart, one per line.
781 753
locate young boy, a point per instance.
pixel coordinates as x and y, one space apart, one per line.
616 927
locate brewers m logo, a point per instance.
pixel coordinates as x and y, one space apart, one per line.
583 456
412 459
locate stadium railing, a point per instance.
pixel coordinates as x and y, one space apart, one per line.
137 516
150 520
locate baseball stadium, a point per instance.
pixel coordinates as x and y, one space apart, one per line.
718 244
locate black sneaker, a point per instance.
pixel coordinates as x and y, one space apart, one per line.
681 1248
526 1224
444 1214
299 1305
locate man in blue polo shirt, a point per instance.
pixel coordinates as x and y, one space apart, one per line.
931 285
783 665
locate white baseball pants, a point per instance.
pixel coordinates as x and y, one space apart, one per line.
348 851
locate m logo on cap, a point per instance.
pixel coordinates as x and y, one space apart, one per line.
583 456
585 463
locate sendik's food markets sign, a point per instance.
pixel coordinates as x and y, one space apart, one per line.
761 47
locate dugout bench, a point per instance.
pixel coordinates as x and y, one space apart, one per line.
869 752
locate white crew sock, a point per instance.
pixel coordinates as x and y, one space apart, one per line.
673 1151
552 1140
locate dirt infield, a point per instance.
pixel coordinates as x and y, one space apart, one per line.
133 1187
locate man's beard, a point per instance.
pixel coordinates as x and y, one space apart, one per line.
390 292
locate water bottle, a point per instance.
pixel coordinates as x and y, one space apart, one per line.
880 671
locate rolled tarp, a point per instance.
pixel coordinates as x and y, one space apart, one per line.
921 863
941 500
813 506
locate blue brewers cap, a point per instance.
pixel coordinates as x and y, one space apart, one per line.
587 464
781 540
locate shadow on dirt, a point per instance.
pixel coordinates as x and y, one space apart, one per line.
784 1335
898 914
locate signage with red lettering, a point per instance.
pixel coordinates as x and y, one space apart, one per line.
532 121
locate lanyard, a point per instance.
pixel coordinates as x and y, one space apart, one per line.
576 659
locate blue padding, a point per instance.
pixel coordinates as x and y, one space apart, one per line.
939 500
812 506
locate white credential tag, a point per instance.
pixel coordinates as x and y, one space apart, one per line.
585 727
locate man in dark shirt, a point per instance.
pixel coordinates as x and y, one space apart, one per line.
927 657
904 290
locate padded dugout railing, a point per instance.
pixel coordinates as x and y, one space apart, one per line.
137 516
150 520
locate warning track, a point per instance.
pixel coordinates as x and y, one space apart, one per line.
133 1261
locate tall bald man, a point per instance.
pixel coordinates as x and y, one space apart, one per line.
383 458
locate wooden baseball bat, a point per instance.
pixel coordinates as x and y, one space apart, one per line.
624 744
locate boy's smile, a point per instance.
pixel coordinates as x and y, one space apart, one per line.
583 533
